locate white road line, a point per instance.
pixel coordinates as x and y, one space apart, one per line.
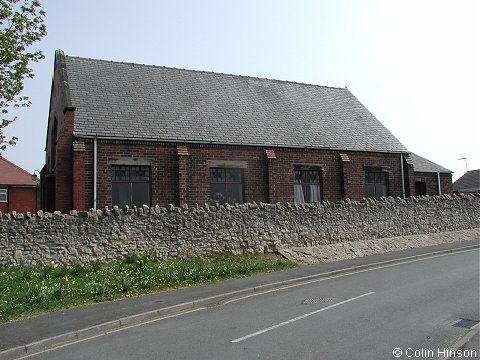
300 317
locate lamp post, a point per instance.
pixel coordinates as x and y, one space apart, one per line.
35 178
465 159
34 175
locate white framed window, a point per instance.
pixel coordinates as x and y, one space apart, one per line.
3 195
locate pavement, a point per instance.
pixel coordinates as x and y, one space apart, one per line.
23 337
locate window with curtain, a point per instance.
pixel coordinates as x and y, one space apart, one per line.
306 187
226 185
130 185
376 184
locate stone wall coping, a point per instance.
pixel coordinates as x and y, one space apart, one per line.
159 210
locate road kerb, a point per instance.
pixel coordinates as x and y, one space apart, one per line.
463 340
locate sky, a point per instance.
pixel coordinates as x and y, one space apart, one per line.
414 64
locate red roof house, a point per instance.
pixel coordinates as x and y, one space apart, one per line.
18 191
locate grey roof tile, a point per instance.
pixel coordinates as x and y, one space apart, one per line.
470 181
115 99
421 164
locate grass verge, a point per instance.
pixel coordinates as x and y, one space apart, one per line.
25 291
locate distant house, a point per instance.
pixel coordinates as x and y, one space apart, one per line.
469 182
430 178
131 134
18 192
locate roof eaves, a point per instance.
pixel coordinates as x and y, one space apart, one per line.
186 141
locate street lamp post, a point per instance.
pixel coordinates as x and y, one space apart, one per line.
465 159
35 178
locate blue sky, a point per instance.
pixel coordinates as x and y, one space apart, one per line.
413 64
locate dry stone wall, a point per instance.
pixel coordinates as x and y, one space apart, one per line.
82 237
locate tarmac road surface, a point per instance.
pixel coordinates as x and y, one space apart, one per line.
410 309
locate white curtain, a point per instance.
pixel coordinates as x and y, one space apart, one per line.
314 193
298 194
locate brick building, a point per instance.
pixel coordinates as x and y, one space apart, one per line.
18 191
430 178
122 133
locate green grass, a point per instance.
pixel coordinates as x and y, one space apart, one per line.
25 291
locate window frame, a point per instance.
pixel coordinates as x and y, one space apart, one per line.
5 192
226 183
375 173
306 169
130 183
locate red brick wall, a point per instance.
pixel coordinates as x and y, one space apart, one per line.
182 153
88 158
64 166
165 172
78 175
331 180
165 169
431 181
255 176
389 161
20 199
446 183
332 186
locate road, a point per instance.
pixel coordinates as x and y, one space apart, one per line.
365 315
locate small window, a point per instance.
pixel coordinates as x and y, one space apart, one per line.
130 185
306 187
3 195
226 185
376 184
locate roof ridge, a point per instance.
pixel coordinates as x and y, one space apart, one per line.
467 173
16 166
208 72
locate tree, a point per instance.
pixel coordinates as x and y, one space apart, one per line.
21 24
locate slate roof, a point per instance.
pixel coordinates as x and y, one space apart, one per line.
132 101
421 164
11 174
468 182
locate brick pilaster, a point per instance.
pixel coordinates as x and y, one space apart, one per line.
64 166
182 153
409 176
272 188
79 175
345 160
